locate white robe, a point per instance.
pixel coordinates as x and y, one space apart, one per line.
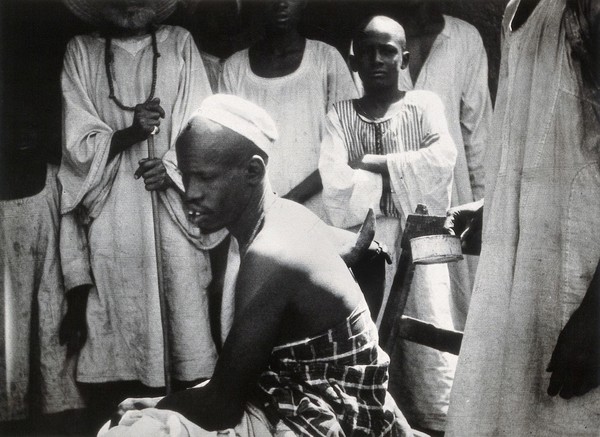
32 289
456 69
420 377
125 334
298 103
540 242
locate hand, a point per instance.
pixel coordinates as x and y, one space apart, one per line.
575 362
73 327
204 408
184 402
428 140
138 404
466 222
130 404
154 173
146 117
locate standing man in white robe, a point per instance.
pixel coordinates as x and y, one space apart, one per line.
447 57
391 150
133 79
296 80
533 329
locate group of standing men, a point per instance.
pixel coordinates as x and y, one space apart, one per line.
392 148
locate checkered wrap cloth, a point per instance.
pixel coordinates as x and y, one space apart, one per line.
334 384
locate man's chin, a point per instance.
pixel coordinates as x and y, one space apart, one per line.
133 20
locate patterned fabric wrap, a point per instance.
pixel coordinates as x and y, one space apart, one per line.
334 384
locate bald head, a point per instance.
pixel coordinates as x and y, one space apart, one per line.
379 54
381 25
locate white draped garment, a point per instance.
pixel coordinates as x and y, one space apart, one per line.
456 69
298 103
125 334
540 242
31 301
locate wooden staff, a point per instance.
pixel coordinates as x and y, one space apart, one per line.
164 316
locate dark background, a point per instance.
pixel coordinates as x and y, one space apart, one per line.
34 33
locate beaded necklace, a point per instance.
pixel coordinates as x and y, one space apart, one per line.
108 61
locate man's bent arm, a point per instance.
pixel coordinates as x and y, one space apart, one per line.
306 189
246 352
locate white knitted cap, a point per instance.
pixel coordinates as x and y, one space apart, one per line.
241 116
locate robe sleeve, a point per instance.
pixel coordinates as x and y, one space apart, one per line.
194 87
85 171
340 85
425 176
347 193
475 114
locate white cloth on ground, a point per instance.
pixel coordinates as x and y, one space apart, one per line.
417 175
125 333
540 242
165 423
32 289
298 102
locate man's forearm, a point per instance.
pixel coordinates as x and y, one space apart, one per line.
310 186
375 164
204 407
122 140
77 297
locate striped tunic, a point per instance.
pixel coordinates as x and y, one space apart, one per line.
417 175
395 134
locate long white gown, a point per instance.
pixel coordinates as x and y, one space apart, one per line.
540 242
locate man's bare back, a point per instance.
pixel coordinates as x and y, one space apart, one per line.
293 264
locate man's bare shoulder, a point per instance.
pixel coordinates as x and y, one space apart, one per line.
294 243
292 263
291 232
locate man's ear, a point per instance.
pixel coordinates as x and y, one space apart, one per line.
256 170
405 59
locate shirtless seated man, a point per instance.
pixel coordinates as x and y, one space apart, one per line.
302 355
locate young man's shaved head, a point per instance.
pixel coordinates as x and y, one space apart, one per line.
380 24
379 53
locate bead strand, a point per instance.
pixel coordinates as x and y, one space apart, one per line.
108 62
